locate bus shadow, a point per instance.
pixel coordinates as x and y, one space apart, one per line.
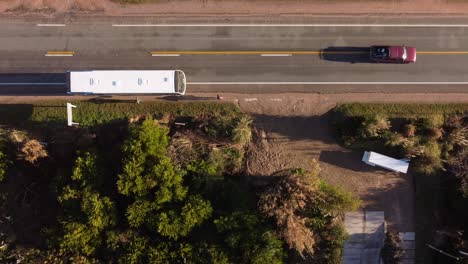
33 83
346 54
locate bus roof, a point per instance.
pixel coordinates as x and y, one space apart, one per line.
122 82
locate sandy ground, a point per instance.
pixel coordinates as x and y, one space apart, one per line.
296 129
237 7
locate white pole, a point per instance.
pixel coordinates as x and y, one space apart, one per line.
69 115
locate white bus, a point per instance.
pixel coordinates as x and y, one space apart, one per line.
126 82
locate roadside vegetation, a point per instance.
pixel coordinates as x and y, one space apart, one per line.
154 183
435 139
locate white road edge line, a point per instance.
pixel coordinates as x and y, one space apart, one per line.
292 25
328 83
165 55
50 25
275 55
13 84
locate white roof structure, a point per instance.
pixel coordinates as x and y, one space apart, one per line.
122 82
376 159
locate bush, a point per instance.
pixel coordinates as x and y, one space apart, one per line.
433 121
430 160
242 132
374 126
435 133
3 166
454 121
392 252
4 161
400 110
33 150
99 112
458 136
409 130
394 140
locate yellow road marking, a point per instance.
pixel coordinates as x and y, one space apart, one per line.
59 53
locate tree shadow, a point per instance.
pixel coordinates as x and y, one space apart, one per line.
346 54
15 113
296 127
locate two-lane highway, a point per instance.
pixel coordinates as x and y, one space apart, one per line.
241 53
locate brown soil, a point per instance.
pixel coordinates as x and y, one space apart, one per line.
54 6
236 7
294 129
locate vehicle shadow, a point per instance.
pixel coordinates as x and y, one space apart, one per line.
346 54
41 84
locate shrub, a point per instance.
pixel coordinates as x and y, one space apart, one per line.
303 206
242 132
435 133
33 150
234 159
432 121
454 121
458 166
392 252
374 126
412 149
3 165
400 110
217 159
430 160
409 130
394 140
458 136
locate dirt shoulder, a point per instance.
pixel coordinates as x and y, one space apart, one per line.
235 7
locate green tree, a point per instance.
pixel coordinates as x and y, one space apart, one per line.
249 239
161 201
85 225
79 238
100 211
4 162
136 250
175 224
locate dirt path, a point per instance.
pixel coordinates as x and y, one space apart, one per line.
297 129
239 7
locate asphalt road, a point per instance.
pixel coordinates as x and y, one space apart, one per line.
234 56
